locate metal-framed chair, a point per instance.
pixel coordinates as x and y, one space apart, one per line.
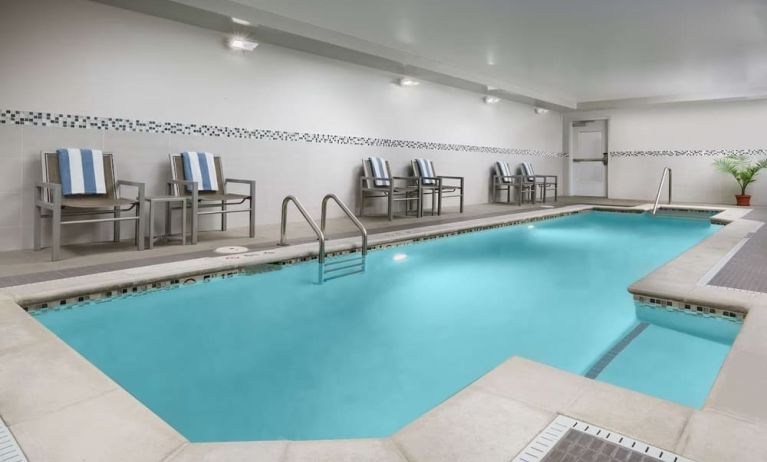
503 180
203 201
377 181
544 183
50 202
434 184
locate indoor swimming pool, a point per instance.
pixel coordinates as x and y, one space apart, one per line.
277 356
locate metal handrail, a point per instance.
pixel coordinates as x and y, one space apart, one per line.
357 223
284 225
666 170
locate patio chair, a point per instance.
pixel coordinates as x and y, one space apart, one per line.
542 182
200 177
434 184
377 181
503 180
82 183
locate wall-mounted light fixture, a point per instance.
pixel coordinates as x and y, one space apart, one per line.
491 99
541 110
242 22
408 82
240 43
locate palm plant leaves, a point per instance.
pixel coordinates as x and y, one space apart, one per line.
741 168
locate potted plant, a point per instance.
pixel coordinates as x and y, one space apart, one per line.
744 170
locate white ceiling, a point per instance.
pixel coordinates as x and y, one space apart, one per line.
582 50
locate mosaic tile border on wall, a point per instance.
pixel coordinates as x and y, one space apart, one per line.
690 153
48 119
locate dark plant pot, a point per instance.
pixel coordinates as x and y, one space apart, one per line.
743 200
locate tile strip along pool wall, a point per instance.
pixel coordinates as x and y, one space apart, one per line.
276 356
614 351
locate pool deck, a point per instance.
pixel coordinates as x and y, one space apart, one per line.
61 408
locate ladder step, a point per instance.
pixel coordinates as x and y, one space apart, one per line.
340 268
344 260
336 276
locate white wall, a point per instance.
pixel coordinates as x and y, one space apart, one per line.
78 57
683 127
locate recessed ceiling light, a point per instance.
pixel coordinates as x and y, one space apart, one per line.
541 110
408 82
241 44
399 256
241 22
491 99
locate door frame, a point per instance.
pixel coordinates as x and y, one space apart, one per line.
570 139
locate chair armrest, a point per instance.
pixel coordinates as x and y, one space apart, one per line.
444 177
235 180
55 191
251 183
141 188
190 184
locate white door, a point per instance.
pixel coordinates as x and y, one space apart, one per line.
589 159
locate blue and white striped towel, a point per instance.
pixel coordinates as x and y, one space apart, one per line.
200 167
504 171
527 169
379 170
425 170
81 171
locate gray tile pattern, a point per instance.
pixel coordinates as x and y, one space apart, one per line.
747 269
48 119
599 366
577 446
690 153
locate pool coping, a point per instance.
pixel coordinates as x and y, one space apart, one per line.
60 407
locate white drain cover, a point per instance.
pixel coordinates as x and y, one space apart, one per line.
232 249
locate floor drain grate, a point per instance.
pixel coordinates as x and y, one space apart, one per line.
9 448
567 439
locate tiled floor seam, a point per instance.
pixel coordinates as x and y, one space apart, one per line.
175 452
57 410
396 447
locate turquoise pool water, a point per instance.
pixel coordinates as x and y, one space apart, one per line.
276 356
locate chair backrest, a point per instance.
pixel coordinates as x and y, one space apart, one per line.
424 168
52 174
526 168
503 172
379 168
177 173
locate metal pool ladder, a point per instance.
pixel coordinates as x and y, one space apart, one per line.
353 265
666 171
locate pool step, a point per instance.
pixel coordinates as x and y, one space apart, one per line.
599 366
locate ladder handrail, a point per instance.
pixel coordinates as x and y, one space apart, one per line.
307 217
666 170
357 223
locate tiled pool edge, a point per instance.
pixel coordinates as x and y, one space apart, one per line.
139 279
496 416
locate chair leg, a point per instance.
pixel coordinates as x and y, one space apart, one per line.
439 202
195 222
252 230
223 216
460 209
433 202
390 198
361 203
55 233
38 242
140 226
117 224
